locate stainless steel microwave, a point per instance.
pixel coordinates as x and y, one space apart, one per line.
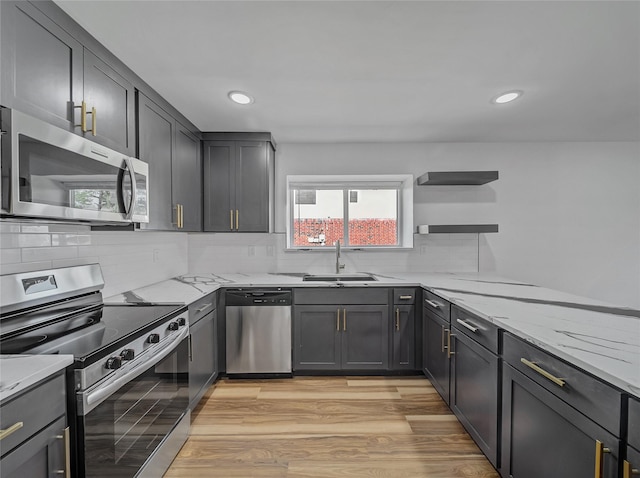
48 172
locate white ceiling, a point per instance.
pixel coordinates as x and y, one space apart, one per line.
386 70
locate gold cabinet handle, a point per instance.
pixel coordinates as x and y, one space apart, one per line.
83 116
449 351
12 429
231 219
433 304
405 297
628 471
180 216
443 329
533 366
338 320
67 453
94 122
397 318
237 221
600 451
344 319
467 325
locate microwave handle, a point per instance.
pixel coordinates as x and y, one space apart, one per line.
134 189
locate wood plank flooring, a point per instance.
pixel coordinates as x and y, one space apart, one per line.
327 427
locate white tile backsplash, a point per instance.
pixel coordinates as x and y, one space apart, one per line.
129 260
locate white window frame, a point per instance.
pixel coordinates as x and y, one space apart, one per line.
402 182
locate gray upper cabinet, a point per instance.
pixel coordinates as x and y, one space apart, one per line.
110 103
49 74
173 154
238 182
42 65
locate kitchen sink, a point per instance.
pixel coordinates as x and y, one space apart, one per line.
339 277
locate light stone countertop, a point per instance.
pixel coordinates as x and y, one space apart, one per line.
18 372
598 337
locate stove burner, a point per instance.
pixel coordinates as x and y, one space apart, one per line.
17 345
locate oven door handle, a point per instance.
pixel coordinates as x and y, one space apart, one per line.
94 396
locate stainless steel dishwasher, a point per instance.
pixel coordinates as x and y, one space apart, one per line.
258 331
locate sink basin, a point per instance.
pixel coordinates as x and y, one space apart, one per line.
339 277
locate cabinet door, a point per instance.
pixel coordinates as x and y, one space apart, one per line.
113 98
42 456
365 337
219 186
474 392
317 337
542 436
403 323
41 65
155 141
202 362
252 186
435 350
187 178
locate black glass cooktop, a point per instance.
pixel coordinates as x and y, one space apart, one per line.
92 334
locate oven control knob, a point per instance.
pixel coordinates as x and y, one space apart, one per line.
113 363
127 354
182 321
173 325
153 338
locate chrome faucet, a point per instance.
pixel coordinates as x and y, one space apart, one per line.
339 266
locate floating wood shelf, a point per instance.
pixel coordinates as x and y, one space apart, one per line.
457 228
453 178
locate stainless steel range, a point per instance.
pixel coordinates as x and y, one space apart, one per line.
131 382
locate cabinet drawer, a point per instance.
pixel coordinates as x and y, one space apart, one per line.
634 423
436 304
342 296
595 399
480 330
202 307
35 409
404 296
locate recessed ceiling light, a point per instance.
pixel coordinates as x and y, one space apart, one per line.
507 97
240 97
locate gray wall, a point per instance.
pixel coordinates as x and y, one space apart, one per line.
569 213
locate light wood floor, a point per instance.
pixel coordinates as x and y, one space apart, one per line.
327 427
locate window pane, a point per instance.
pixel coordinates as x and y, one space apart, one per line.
319 220
373 217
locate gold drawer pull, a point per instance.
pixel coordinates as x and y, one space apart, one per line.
204 307
231 219
237 221
600 451
12 429
344 320
628 470
397 319
467 325
94 121
533 366
338 320
433 304
405 297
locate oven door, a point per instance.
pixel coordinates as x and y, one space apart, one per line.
119 436
53 173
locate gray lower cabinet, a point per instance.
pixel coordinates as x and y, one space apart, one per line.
341 337
404 342
173 154
557 421
203 369
238 182
474 391
36 441
49 74
435 348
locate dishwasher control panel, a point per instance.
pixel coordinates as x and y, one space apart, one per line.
259 297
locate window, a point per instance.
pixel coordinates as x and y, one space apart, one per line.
360 212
